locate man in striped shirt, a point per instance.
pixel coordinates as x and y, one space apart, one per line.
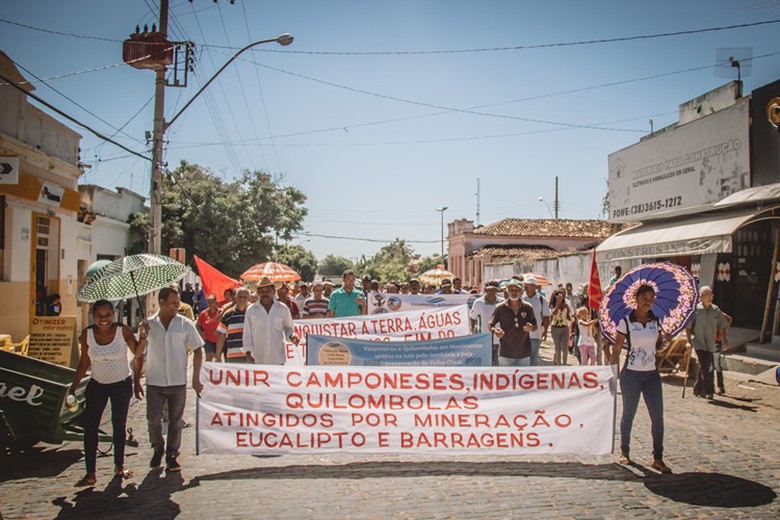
315 306
231 329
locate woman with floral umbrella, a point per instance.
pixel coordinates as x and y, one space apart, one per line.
647 305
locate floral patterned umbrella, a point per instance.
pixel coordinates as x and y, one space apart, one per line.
435 276
676 297
274 271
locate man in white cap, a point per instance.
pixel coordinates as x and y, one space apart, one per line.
482 310
266 325
541 313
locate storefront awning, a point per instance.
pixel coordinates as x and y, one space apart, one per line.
696 235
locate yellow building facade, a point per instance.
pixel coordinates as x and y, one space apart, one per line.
39 203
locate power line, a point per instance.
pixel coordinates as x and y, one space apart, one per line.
528 47
442 51
61 33
72 119
431 105
88 111
262 98
307 234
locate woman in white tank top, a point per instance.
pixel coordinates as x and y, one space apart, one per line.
104 348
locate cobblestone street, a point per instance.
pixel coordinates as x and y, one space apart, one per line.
723 455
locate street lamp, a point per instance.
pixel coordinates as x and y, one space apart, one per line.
160 126
283 40
442 210
541 199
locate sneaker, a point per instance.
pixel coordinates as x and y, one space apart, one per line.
156 459
171 464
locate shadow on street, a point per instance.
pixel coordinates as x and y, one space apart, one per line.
365 470
37 463
710 489
150 499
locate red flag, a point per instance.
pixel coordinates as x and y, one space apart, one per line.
594 285
214 281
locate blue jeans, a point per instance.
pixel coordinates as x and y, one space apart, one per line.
535 344
512 362
634 383
717 365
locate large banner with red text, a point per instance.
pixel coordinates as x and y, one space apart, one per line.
282 409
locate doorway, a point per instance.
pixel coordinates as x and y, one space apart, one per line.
45 269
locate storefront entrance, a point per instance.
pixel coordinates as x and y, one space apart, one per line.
45 269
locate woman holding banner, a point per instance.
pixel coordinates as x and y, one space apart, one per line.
641 332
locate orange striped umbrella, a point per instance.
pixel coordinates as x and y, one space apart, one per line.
274 271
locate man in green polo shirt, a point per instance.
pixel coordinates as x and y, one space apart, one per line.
347 301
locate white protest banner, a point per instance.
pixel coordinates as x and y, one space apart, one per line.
419 325
280 409
380 303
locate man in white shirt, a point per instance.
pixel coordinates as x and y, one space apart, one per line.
303 295
169 335
481 312
542 314
266 325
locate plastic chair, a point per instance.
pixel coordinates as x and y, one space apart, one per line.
22 347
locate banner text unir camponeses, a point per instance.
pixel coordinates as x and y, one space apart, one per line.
269 409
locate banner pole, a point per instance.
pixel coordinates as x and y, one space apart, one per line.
197 424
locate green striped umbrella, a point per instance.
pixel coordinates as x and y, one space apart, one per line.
132 276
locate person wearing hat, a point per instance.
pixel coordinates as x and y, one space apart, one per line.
481 312
327 288
512 322
365 282
414 286
267 324
446 287
541 314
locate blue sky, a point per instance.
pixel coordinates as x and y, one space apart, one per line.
376 133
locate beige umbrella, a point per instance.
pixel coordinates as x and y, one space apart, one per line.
274 271
435 276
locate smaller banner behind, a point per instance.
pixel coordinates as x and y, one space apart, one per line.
417 325
281 409
464 351
380 303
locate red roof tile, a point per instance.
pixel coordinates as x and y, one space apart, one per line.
522 227
515 252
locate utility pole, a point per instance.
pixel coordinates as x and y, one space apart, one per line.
155 202
556 204
478 201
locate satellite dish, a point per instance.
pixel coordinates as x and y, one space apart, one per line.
734 62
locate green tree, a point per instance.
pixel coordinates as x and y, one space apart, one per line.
230 225
390 263
426 264
301 260
333 265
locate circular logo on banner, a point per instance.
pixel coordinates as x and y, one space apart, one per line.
334 353
773 111
393 303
